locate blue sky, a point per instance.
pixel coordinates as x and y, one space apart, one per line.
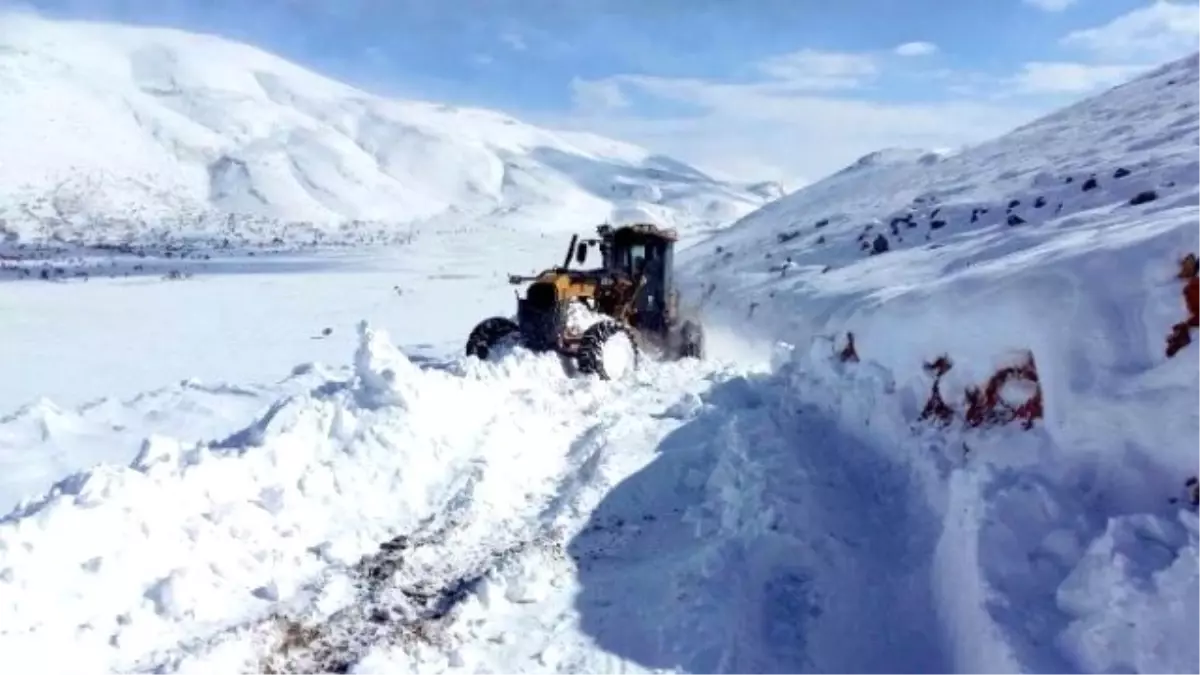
786 89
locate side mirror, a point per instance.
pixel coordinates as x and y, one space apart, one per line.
581 253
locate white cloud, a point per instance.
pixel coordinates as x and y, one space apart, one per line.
514 40
775 129
796 122
807 139
1041 77
915 49
591 96
1050 5
1154 33
812 69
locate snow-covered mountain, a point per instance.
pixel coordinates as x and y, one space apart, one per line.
113 130
1095 154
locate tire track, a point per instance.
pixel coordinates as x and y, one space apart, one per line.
389 609
409 589
265 628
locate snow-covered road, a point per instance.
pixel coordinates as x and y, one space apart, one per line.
486 516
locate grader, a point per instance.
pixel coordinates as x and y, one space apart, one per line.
603 319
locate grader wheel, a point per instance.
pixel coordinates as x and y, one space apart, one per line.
609 350
489 333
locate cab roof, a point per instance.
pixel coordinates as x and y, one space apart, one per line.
640 228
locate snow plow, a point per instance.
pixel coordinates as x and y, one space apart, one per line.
601 320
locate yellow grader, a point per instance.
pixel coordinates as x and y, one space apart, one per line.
601 319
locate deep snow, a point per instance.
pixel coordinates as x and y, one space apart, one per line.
781 507
282 510
1062 246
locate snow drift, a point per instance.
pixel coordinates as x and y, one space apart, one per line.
122 129
200 552
1016 321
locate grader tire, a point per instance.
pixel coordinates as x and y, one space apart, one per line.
487 334
595 356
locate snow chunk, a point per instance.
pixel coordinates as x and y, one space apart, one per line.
385 376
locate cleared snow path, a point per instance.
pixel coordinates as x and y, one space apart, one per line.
709 531
486 517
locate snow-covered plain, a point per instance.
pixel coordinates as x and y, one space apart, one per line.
368 500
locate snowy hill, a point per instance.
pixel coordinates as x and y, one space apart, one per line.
1045 279
109 131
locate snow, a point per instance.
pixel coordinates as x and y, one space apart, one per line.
618 357
579 318
206 138
283 462
315 483
1031 249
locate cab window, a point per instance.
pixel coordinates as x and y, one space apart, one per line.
637 257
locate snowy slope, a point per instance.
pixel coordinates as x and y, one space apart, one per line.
111 130
1047 267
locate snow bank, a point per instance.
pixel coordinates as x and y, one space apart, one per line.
126 563
761 539
766 539
999 321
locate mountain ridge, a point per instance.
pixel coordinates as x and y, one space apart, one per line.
128 124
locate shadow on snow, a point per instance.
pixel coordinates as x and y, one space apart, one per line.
762 539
